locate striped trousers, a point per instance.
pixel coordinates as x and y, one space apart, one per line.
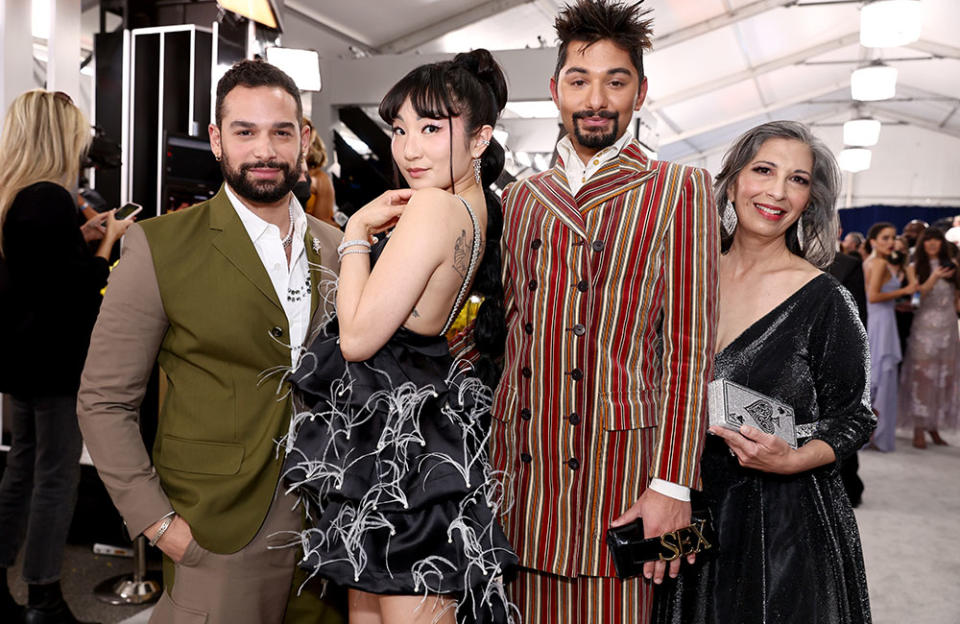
545 598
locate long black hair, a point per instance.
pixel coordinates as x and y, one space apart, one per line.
922 259
471 86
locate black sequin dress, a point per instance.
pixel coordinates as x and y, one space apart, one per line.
788 549
388 457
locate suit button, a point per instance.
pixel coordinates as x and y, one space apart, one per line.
528 327
583 285
574 419
577 374
597 245
532 285
525 413
573 463
276 331
579 329
526 458
526 372
536 244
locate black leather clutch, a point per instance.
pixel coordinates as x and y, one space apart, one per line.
630 550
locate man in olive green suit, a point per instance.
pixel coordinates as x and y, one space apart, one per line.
223 295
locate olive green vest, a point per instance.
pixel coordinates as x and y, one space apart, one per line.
224 355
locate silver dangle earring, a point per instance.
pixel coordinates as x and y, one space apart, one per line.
476 170
800 236
729 218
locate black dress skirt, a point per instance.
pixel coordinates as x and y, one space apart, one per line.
389 458
788 549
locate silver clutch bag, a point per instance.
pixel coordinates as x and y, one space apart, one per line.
732 405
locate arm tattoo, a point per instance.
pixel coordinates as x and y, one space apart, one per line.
460 254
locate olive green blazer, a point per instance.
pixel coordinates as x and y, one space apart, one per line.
191 293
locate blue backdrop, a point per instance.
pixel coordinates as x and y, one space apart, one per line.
860 219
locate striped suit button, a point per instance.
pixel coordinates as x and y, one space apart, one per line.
525 413
526 458
536 244
528 327
597 245
579 329
583 285
574 418
577 374
526 372
532 285
573 463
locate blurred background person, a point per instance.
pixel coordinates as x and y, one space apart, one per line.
852 245
55 284
912 232
848 270
883 287
322 202
899 258
930 378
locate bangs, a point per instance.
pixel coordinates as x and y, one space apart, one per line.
427 88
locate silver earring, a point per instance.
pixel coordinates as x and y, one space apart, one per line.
729 218
476 170
484 142
800 237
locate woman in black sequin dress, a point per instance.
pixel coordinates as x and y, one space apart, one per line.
388 449
788 550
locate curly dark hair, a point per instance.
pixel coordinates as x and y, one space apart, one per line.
590 21
255 73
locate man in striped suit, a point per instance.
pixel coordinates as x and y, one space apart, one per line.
610 294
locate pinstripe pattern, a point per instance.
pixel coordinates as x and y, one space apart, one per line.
547 599
657 263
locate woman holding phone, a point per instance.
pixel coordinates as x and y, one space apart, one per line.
51 303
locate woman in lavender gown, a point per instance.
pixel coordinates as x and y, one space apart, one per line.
930 377
883 289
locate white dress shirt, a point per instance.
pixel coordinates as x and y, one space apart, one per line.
289 282
578 173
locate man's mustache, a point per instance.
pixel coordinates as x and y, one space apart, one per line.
605 114
265 164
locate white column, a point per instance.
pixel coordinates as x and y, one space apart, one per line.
63 48
16 50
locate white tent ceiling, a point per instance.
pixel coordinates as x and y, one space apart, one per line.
717 68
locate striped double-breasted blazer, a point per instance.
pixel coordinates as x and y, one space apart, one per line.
611 310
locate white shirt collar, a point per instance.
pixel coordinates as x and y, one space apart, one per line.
257 227
578 172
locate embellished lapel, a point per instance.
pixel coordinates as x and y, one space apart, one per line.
314 257
233 242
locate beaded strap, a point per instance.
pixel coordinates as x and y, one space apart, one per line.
474 255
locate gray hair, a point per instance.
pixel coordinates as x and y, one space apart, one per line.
819 221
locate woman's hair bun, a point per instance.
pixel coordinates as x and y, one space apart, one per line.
481 63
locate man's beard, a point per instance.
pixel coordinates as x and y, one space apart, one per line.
261 191
596 140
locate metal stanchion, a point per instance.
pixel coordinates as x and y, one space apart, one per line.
140 587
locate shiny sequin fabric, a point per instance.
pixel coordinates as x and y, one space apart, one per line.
788 550
929 394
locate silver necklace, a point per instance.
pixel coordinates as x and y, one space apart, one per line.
288 239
